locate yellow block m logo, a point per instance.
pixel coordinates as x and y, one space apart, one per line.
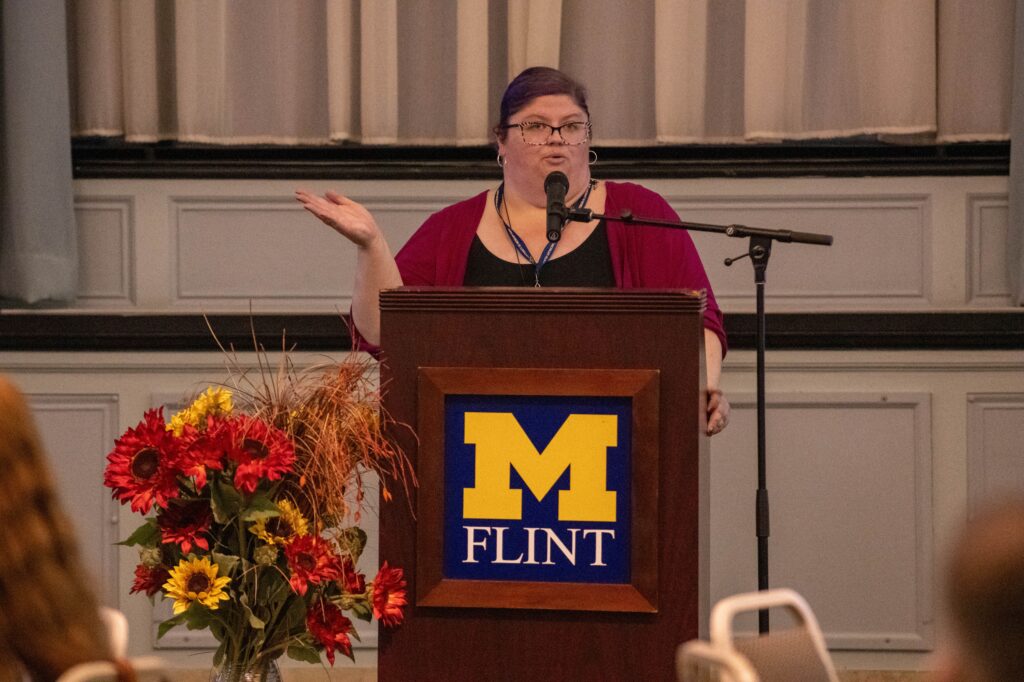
580 445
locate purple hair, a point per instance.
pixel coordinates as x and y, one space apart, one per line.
535 82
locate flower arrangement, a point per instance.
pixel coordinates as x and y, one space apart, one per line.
252 512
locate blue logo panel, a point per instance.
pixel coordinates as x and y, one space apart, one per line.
537 488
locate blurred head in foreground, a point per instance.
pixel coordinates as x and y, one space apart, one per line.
49 618
985 595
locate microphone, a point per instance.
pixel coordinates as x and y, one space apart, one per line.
556 184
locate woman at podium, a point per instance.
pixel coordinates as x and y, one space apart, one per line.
504 237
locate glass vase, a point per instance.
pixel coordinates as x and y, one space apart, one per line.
231 672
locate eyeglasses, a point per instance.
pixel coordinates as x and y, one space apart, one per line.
537 133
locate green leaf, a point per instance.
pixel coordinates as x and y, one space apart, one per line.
197 617
304 653
170 623
226 563
224 500
255 622
354 540
260 507
147 535
295 615
218 631
362 611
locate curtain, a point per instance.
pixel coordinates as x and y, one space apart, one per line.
38 243
1015 229
432 71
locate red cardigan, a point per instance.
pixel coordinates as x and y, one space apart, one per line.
643 257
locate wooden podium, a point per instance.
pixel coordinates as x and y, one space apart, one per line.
635 354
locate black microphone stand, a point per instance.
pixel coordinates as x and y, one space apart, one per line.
759 250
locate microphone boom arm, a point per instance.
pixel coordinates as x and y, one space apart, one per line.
585 215
759 250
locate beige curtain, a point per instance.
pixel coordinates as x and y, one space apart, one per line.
431 71
38 235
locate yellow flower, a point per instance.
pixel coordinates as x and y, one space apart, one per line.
214 401
180 420
282 529
195 580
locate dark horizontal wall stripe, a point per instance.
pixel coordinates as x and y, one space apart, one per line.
876 331
786 331
55 332
113 159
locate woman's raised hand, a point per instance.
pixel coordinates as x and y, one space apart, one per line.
349 218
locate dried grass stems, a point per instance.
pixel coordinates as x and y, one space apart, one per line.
332 412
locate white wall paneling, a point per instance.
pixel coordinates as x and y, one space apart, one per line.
77 430
881 250
849 479
868 474
106 253
232 250
875 456
900 243
988 219
995 430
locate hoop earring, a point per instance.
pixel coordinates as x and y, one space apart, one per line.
593 158
501 161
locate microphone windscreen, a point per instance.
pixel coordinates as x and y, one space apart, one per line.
556 178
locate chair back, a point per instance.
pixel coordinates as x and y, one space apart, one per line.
700 661
117 631
144 668
783 654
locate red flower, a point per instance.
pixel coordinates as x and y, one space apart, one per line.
186 524
352 581
142 468
389 596
150 580
330 627
311 560
204 450
262 452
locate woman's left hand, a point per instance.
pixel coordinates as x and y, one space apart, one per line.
718 411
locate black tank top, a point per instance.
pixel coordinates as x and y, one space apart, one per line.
588 265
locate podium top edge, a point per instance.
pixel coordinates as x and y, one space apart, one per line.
548 298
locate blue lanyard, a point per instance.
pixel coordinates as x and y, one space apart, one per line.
517 241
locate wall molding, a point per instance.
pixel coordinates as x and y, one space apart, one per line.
989 451
979 244
918 470
60 331
124 208
113 158
104 408
904 221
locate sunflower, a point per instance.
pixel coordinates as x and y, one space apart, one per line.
283 528
389 596
263 452
143 466
195 580
311 559
186 524
330 627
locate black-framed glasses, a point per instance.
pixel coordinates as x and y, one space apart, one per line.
538 133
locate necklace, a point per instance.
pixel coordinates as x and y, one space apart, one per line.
517 241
